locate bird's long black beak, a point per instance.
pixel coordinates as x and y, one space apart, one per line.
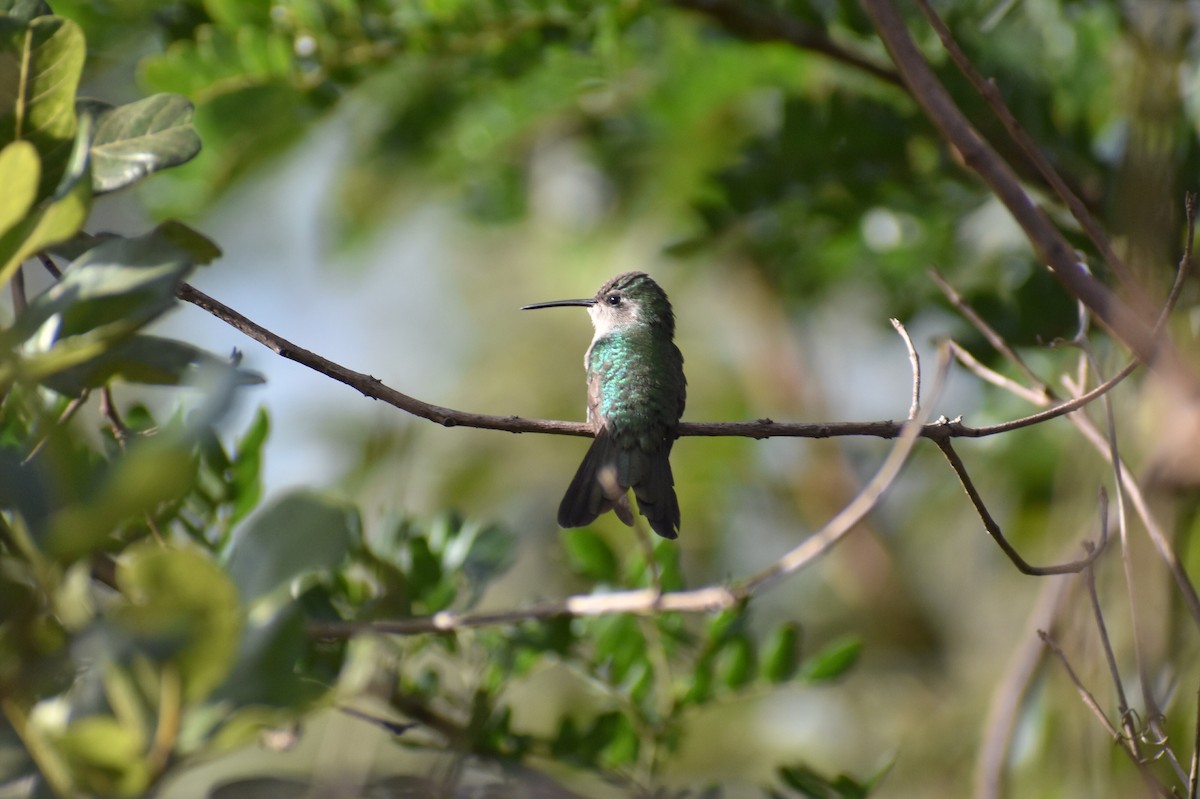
585 303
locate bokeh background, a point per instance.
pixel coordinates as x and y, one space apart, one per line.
390 181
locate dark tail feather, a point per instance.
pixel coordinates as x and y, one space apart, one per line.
596 487
602 481
656 495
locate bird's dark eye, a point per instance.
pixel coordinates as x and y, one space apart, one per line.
613 299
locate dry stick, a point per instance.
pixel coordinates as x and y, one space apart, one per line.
987 89
1153 712
1194 772
19 300
371 386
1094 706
997 534
1133 491
646 601
50 266
840 525
1051 246
915 361
998 342
1153 529
1122 703
1008 697
72 407
1034 396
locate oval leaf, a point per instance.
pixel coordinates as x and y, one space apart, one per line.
833 661
139 138
46 57
300 534
589 555
19 171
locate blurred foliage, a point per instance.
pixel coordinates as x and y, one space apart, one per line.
151 615
154 618
800 166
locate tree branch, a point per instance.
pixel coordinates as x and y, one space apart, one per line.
997 534
755 26
1051 246
646 601
987 89
373 388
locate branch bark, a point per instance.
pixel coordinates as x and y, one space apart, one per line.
1049 244
373 388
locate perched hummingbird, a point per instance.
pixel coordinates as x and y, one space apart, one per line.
636 393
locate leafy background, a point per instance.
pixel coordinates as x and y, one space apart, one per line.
387 183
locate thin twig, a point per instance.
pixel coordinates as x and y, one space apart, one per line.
987 89
49 265
646 601
822 541
1153 529
1106 644
993 529
1094 706
1149 701
1035 396
122 434
1085 426
914 360
72 407
1194 771
373 388
1009 694
997 341
1048 242
108 409
1086 695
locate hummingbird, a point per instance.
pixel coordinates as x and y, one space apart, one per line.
636 394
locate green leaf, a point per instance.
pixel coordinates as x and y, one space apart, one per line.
19 170
619 644
25 10
589 555
151 473
300 534
781 653
142 359
37 93
181 610
424 571
725 624
202 249
239 13
833 661
245 470
140 138
734 664
480 554
118 285
621 751
53 220
105 756
265 671
815 785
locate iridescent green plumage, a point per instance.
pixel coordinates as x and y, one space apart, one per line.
636 394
